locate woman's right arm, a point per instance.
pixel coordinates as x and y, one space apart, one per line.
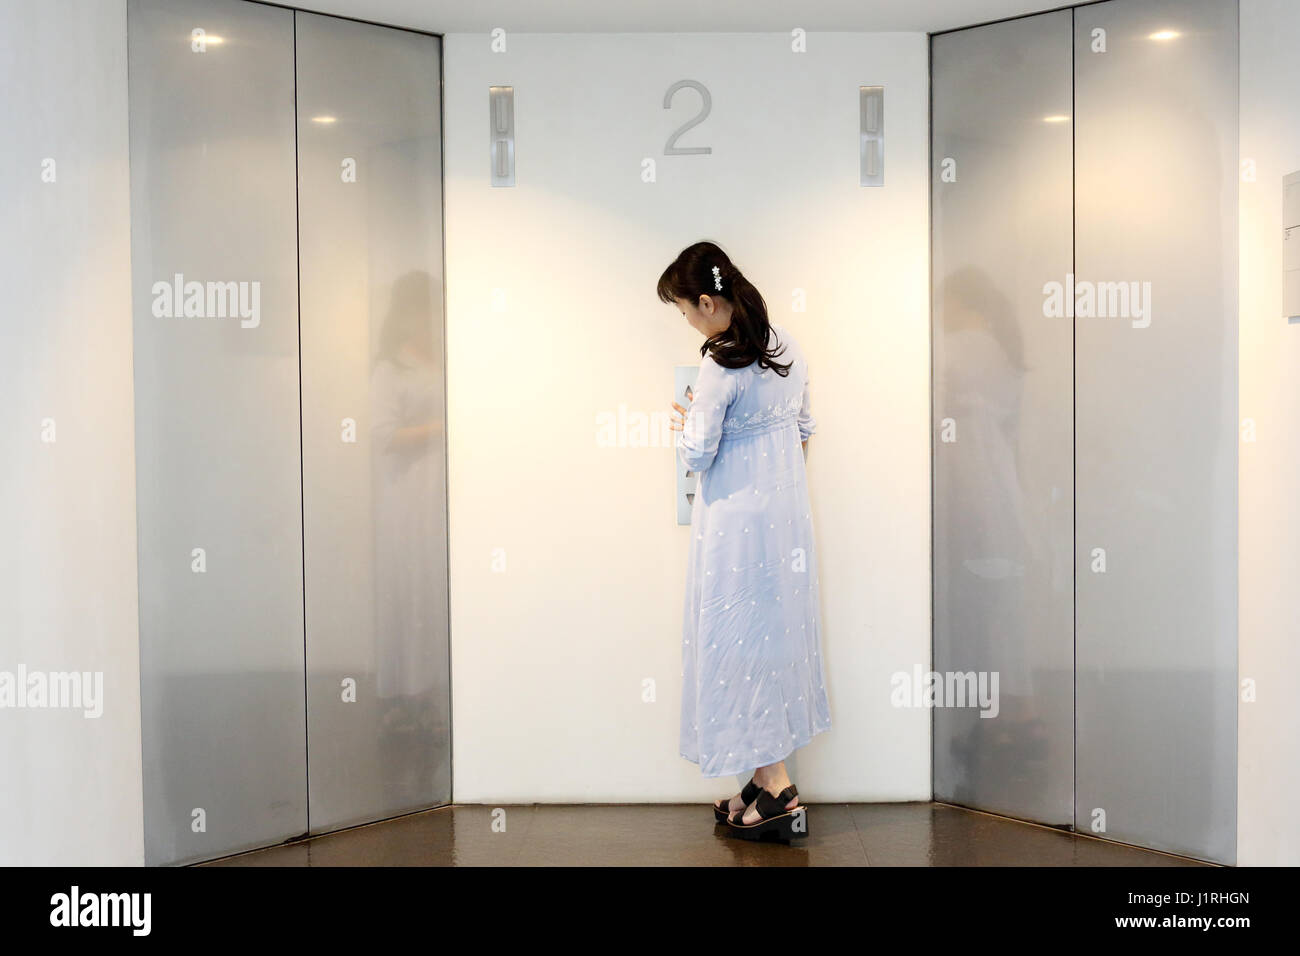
807 424
714 392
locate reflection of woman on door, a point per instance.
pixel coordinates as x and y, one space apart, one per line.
997 576
408 476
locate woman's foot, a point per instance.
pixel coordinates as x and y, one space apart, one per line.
722 809
779 817
730 806
751 814
774 780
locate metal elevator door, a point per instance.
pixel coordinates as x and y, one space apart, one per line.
1157 433
286 198
373 422
1085 418
1003 407
215 304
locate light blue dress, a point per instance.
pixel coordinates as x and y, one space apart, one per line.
753 686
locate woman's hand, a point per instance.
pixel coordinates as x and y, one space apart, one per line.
678 421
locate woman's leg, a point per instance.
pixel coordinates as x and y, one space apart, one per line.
772 778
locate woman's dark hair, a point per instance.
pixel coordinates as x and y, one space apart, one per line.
409 317
744 342
970 299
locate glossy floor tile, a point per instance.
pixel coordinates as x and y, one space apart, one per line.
883 834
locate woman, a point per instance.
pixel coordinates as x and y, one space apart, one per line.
408 475
753 686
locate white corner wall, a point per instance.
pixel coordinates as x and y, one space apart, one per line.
1268 830
567 565
71 792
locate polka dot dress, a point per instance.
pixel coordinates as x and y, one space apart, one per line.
753 684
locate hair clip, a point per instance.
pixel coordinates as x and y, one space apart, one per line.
717 278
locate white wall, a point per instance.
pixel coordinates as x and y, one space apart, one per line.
549 656
1268 830
71 792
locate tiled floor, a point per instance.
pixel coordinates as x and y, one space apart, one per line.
887 834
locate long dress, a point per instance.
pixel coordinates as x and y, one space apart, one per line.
753 684
410 533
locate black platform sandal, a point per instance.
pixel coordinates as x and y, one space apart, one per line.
748 794
774 821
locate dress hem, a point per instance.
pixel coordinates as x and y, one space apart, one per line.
735 768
